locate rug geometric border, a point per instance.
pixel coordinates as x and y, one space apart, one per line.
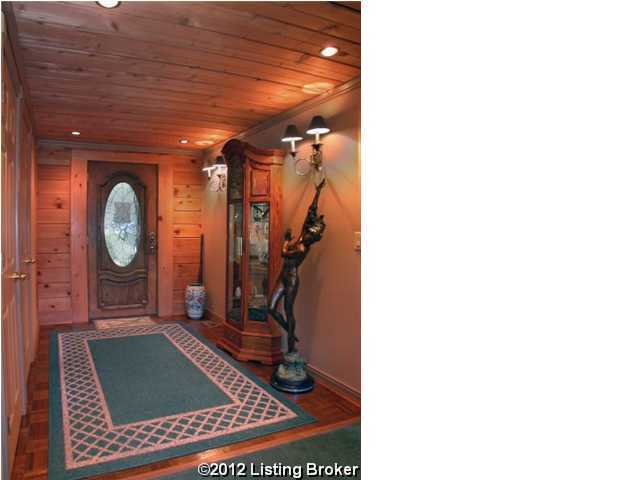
84 441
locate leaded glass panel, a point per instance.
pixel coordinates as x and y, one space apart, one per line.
122 224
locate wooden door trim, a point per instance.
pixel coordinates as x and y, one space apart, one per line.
165 240
79 267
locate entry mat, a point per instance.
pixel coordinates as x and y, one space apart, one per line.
124 397
102 324
334 455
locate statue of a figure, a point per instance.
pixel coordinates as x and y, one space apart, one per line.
294 252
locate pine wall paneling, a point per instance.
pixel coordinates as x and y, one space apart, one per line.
61 200
53 226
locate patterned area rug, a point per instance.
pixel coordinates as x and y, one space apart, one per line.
124 397
123 322
341 446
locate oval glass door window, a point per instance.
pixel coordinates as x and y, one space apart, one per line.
122 224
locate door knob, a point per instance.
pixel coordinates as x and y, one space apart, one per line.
17 276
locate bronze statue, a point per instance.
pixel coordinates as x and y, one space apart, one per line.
294 252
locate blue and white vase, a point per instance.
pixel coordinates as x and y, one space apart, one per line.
194 297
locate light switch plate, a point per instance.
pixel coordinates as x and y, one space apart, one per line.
356 241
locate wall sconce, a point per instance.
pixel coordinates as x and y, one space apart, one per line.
217 174
313 163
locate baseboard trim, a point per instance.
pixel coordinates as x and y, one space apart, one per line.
345 391
329 381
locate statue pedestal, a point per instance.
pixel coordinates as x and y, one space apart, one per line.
292 376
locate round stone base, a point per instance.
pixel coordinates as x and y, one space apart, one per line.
292 386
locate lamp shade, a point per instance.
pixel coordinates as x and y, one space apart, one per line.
291 134
317 126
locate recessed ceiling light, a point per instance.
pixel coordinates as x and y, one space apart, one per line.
75 133
108 3
328 51
184 140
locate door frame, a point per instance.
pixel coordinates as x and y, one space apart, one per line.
78 211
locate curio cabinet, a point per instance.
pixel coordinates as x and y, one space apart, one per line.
254 237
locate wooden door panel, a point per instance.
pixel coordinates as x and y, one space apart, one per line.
11 335
11 374
115 294
259 182
27 287
122 219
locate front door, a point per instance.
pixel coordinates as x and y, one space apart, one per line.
122 216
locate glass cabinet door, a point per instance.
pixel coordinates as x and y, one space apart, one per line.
234 289
258 289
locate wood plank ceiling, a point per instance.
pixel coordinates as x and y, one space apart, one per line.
152 73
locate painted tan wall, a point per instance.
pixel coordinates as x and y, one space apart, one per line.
328 304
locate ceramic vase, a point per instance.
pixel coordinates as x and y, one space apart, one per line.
194 300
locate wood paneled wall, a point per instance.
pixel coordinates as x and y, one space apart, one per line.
53 235
188 184
54 228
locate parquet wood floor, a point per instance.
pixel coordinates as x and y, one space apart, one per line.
331 410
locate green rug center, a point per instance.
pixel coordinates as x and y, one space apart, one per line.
146 376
